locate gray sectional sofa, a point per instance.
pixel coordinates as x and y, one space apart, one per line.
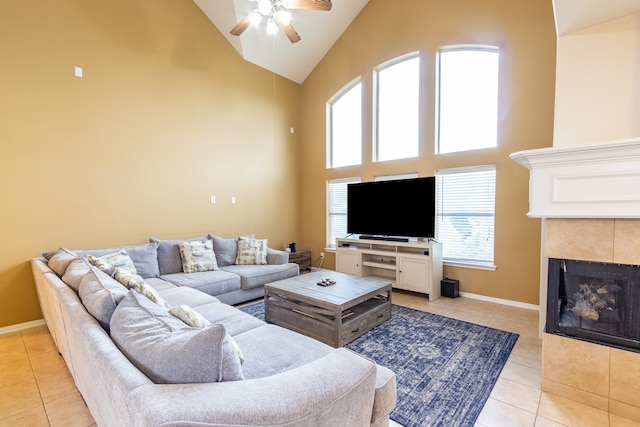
136 363
160 263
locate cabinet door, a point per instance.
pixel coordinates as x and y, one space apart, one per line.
413 275
349 262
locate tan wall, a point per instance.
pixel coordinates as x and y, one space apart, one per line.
525 33
167 115
598 83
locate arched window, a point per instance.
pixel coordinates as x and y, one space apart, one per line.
344 127
466 98
396 111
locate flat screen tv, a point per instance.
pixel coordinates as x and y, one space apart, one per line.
398 208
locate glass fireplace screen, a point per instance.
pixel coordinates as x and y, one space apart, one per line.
597 302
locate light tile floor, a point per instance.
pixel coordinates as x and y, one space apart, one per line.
36 388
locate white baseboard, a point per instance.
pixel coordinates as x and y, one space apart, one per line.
21 326
501 301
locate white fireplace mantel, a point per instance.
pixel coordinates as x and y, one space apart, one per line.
586 181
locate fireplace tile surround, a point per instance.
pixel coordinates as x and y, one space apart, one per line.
589 200
597 375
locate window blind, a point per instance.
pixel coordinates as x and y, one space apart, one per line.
337 209
465 214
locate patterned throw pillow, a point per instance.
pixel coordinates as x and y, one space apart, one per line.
135 282
189 316
252 251
197 256
108 263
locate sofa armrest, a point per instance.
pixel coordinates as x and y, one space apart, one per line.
275 256
337 389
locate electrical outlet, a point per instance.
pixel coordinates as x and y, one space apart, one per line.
322 255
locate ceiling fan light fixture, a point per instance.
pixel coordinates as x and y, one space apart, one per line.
272 28
255 18
284 16
265 7
278 16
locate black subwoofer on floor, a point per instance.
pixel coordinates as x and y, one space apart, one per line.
450 288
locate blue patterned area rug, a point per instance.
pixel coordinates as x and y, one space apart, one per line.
445 368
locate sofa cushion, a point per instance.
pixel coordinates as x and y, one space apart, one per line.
144 257
100 294
60 260
177 295
210 282
252 251
271 349
235 321
275 256
197 255
135 282
159 284
109 262
169 260
226 250
75 272
253 276
167 350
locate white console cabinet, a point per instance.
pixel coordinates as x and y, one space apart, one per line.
413 266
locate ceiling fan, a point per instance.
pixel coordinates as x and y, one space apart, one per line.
277 14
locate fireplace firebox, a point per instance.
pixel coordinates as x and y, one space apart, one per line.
595 301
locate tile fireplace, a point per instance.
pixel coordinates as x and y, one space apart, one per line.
588 198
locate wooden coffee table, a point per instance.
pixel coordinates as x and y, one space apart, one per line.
336 314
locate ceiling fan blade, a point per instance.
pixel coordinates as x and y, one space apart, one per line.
240 26
291 33
308 4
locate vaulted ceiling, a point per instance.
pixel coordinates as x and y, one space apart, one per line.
320 30
575 15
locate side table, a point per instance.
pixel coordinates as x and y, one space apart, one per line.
302 257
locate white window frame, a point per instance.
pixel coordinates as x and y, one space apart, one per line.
408 123
476 184
408 175
357 143
334 208
468 113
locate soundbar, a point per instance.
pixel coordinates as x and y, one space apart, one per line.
386 238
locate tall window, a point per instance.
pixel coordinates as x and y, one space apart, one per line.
465 214
344 127
337 209
397 112
466 98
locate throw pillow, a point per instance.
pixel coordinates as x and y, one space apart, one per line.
168 351
61 260
75 272
137 283
100 294
196 320
169 260
226 250
189 316
197 256
252 251
144 257
109 262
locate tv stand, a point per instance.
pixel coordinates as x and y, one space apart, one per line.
385 238
412 266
